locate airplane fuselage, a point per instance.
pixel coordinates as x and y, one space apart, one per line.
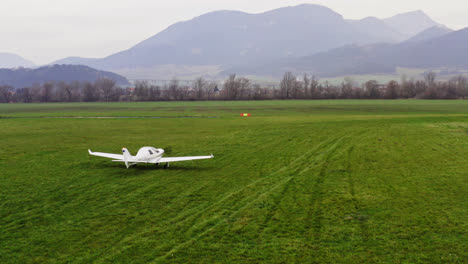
149 154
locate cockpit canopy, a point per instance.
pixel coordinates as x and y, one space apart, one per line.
145 151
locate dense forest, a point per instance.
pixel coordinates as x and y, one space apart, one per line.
237 88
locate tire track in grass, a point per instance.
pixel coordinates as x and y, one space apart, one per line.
195 225
238 193
363 227
184 214
313 228
216 221
245 201
350 178
311 164
315 214
327 146
276 202
233 200
277 197
257 149
192 218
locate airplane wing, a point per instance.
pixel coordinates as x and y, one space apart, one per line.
167 160
106 155
134 161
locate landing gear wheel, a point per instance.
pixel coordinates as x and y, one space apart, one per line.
166 165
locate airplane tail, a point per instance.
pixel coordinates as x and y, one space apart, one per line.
127 156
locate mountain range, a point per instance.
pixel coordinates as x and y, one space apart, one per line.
433 48
233 39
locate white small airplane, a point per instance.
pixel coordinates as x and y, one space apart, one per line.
145 155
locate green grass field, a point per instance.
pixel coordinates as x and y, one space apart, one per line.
298 182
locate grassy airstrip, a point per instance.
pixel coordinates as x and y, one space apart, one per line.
299 182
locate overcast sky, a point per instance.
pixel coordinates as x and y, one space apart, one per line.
47 30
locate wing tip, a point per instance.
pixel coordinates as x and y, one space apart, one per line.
90 152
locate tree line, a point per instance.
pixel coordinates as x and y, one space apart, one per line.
237 88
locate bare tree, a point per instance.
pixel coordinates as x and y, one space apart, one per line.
184 93
297 90
461 85
314 92
142 90
244 88
372 89
47 89
287 85
173 92
36 92
66 91
6 93
89 92
347 88
199 87
106 87
231 88
305 84
75 87
154 93
446 90
407 89
25 94
211 91
392 90
430 78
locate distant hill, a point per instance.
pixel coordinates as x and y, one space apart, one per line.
346 60
10 60
430 33
378 29
75 61
411 23
448 50
23 77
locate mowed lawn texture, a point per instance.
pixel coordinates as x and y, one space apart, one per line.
298 182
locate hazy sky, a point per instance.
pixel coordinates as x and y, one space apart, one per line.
47 30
